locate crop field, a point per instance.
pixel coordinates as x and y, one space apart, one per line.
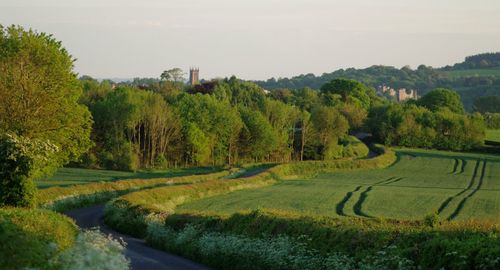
475 72
76 176
493 135
455 185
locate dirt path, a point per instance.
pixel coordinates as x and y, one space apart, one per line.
140 255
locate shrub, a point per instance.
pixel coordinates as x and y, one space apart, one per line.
374 244
230 251
31 237
93 250
21 160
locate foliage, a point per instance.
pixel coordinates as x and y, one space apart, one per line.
440 98
413 126
21 161
470 83
93 250
350 91
30 238
487 104
492 120
39 93
174 74
285 240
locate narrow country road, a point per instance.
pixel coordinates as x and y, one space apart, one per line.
141 256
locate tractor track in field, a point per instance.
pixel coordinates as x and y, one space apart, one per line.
464 200
339 209
446 202
359 204
462 168
455 166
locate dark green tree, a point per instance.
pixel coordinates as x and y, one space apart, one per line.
441 98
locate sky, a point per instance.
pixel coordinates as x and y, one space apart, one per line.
259 39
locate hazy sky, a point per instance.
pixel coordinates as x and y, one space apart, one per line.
259 39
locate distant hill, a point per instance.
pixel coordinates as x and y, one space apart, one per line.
478 75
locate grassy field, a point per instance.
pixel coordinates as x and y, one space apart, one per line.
457 186
493 135
475 72
75 176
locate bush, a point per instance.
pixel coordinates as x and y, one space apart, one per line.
230 251
372 244
21 160
29 238
93 250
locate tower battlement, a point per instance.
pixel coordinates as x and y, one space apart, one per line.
194 76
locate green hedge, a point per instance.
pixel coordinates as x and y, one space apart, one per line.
67 198
31 237
354 243
132 212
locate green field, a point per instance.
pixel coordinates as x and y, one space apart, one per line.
493 135
474 72
457 186
75 176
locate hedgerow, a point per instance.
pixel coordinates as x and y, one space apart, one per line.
132 212
31 237
351 243
66 198
230 251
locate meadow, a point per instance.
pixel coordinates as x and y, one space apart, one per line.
457 186
493 135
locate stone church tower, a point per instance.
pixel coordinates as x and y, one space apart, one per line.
194 76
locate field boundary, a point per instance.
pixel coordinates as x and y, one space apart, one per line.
133 212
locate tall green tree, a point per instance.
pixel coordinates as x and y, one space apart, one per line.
350 91
441 98
487 104
39 93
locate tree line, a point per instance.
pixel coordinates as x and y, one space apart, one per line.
49 117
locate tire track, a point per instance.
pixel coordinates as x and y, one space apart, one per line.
464 200
464 163
471 183
339 208
455 166
359 204
394 181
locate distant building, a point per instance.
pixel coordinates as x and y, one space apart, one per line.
404 94
194 76
400 95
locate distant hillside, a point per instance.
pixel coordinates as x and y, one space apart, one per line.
478 75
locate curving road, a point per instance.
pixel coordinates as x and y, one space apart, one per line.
141 256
